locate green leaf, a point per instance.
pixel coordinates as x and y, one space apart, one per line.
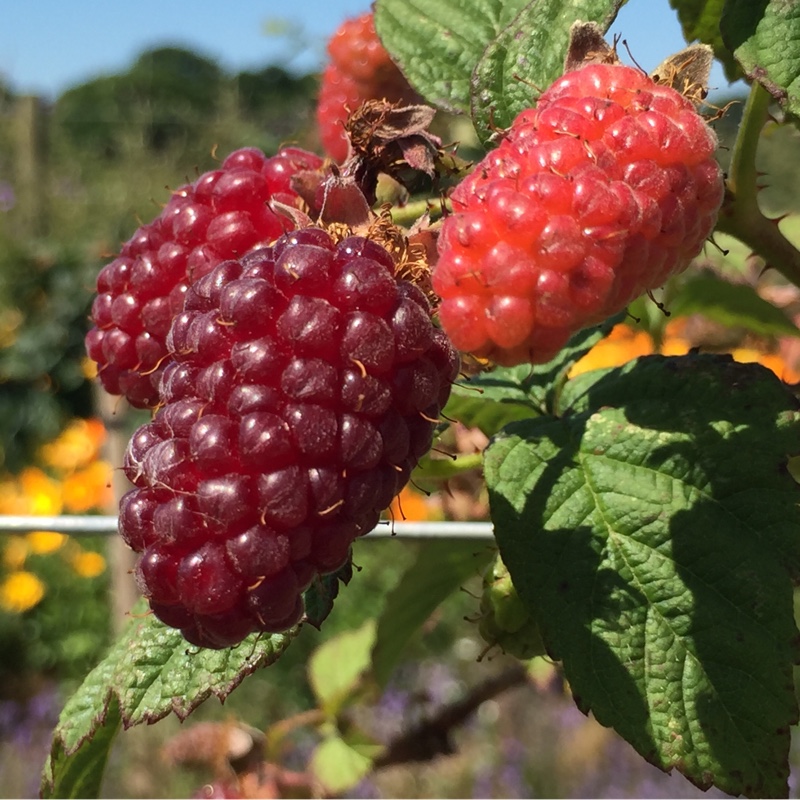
323 591
654 531
150 672
490 400
764 37
337 667
731 304
81 774
338 766
437 45
529 53
440 568
700 22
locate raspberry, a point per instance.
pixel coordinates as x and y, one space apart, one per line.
602 192
360 69
222 215
303 387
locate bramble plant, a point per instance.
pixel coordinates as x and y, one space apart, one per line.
646 515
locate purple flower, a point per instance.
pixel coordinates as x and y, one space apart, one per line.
7 197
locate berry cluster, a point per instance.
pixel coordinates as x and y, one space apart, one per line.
360 69
222 215
304 383
602 192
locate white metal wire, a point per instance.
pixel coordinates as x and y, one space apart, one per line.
106 525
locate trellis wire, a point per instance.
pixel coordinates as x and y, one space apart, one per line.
93 525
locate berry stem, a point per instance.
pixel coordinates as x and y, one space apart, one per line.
408 214
446 468
740 215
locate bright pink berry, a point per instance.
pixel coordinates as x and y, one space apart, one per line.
360 69
602 192
302 388
222 215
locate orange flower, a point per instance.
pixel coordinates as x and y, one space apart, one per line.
620 346
12 499
88 488
674 343
772 361
15 552
20 591
625 343
42 494
89 368
43 542
77 445
88 564
410 506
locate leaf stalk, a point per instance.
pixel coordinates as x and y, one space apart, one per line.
740 215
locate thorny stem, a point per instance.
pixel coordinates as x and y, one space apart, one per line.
742 176
740 215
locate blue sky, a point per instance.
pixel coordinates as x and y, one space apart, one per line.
46 46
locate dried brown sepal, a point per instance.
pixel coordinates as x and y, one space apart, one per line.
342 201
307 185
410 254
386 137
687 71
587 45
299 218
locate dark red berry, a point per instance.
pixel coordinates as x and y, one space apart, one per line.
222 215
302 389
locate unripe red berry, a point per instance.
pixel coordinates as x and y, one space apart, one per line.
602 192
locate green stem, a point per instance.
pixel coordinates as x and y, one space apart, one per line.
430 469
742 174
408 214
740 215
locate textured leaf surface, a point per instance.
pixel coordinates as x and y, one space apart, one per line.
491 400
654 527
700 22
440 568
529 53
150 672
437 44
764 37
731 304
